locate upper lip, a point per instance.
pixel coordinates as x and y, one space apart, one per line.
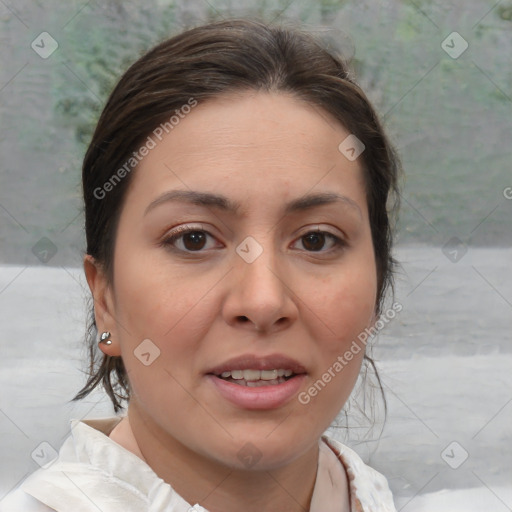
253 362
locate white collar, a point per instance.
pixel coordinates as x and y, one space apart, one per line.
94 472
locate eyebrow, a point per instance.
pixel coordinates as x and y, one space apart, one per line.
223 203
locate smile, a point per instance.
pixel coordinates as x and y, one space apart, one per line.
256 378
252 381
257 394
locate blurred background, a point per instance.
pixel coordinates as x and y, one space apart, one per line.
440 76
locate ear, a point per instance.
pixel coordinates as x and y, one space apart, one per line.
104 305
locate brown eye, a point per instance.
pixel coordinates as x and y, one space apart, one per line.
194 241
191 240
313 241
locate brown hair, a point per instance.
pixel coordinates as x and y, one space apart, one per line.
202 63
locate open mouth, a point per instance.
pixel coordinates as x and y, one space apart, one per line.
258 383
256 378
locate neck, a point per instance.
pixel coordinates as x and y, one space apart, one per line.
217 487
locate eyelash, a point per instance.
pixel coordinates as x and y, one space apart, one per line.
169 241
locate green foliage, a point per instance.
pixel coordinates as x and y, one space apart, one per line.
97 55
505 12
436 118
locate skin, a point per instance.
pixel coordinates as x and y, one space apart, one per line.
203 308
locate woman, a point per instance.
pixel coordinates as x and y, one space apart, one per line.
238 246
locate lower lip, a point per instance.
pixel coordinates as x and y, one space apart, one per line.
263 397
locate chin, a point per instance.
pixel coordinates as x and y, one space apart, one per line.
264 450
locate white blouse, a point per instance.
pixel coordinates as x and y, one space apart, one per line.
93 472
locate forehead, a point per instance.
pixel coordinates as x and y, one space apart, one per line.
251 142
272 124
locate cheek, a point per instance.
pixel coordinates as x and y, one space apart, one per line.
171 308
157 298
346 301
345 304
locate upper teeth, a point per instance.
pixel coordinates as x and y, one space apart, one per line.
256 374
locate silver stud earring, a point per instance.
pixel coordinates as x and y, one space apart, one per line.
105 338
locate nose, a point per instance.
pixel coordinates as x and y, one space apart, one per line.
259 296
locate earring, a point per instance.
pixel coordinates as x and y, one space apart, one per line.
105 338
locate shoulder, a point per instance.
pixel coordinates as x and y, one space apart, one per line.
85 466
369 489
90 468
20 501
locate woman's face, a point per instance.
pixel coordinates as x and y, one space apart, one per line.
252 288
